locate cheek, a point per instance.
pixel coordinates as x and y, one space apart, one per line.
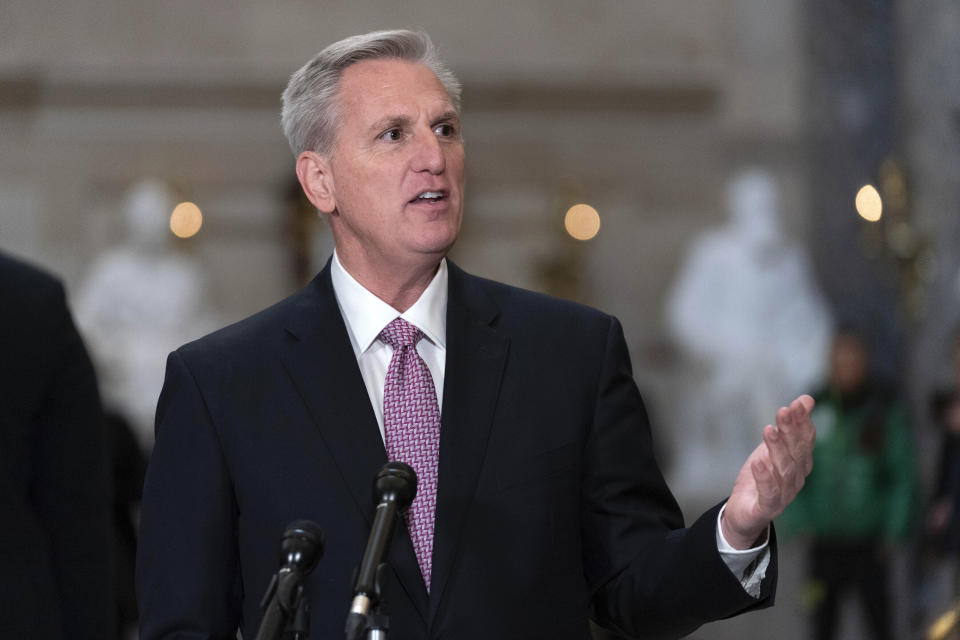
455 169
360 189
455 158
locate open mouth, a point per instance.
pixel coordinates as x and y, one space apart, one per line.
430 197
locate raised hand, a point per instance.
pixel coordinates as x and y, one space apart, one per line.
772 476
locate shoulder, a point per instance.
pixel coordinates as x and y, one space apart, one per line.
255 336
36 317
260 328
541 330
27 284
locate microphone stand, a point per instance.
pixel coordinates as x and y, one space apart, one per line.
378 626
285 605
368 617
394 489
282 602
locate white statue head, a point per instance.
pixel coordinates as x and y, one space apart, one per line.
146 212
753 204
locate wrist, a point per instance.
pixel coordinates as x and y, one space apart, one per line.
742 539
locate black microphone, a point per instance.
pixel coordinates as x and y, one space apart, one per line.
300 550
301 546
393 491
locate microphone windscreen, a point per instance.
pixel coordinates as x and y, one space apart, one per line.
398 481
302 545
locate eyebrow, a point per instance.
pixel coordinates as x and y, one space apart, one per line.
447 115
388 122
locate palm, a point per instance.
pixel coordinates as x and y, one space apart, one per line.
772 475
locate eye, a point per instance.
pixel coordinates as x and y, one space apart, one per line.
392 135
445 130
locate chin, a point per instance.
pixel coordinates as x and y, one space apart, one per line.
438 250
437 241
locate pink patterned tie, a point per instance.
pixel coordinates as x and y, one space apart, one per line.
411 418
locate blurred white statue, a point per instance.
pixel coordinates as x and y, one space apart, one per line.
140 301
744 309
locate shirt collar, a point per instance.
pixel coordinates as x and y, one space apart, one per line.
366 315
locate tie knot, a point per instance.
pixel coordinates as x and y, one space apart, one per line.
400 333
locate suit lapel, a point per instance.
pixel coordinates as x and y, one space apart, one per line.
476 354
320 361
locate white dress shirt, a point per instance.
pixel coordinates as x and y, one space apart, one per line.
366 315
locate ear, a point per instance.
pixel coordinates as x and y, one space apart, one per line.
313 172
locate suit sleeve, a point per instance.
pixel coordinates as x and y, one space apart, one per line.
71 491
188 582
648 576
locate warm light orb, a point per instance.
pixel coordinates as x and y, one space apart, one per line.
186 220
582 221
869 204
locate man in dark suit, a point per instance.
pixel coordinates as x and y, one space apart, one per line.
55 541
540 504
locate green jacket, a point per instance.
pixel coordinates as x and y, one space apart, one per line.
863 482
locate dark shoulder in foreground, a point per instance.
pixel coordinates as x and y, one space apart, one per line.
34 312
22 282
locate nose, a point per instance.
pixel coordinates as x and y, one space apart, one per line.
429 155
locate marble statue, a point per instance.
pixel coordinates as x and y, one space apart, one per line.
139 301
748 317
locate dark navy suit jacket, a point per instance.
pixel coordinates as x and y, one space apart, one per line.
551 507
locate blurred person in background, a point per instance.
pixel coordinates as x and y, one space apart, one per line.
56 574
858 502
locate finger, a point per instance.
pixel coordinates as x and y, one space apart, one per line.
795 426
792 420
802 409
806 433
787 429
768 491
785 467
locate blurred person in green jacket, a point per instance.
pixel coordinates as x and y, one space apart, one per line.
859 500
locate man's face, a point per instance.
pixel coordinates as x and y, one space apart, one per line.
396 168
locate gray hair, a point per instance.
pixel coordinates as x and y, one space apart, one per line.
311 111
